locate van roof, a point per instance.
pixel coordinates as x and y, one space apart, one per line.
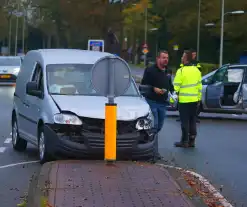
63 56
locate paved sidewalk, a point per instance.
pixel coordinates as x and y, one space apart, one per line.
94 184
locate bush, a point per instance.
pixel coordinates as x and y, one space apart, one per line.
208 67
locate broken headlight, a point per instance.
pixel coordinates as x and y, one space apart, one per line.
145 123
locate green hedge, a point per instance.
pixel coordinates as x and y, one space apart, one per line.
208 67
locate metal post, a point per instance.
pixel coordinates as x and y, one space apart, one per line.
145 31
10 28
23 32
111 117
222 31
198 30
111 76
16 32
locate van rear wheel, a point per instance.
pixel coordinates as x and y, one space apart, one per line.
18 143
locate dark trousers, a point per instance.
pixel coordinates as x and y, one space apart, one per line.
188 116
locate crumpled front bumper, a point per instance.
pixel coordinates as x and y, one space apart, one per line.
74 142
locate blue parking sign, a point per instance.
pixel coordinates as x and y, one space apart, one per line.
96 45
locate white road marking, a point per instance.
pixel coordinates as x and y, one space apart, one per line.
7 141
2 149
205 182
19 163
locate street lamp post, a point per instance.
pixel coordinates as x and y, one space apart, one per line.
222 31
16 28
146 31
222 28
198 29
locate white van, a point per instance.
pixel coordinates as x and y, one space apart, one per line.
57 109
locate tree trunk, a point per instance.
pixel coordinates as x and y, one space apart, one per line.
49 41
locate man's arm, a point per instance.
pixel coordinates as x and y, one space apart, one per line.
177 81
171 87
199 86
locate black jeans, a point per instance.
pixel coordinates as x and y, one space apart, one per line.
188 117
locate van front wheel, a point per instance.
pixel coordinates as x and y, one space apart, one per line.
18 143
43 152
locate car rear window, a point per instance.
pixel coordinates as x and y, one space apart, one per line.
10 61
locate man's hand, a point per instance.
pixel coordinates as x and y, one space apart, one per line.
159 90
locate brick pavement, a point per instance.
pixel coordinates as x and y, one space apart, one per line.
95 184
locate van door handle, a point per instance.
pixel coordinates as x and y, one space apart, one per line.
26 104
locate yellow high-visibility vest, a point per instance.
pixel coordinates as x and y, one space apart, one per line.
187 83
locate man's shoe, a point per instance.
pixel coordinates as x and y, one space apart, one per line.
177 120
198 121
181 144
192 142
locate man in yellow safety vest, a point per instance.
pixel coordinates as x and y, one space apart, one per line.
198 65
188 86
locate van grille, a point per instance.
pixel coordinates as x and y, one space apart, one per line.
98 126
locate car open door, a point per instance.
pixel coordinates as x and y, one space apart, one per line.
215 89
214 93
244 90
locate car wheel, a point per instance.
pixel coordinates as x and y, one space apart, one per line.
42 144
18 143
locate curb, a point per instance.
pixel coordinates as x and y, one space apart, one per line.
38 188
211 117
204 182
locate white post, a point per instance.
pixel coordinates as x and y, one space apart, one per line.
145 31
16 32
10 28
198 30
222 31
23 32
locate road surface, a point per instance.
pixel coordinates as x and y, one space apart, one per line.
220 155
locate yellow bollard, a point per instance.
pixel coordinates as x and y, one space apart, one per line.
110 132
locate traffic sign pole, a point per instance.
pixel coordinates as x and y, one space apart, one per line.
111 117
111 83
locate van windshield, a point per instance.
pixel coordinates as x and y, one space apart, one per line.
75 79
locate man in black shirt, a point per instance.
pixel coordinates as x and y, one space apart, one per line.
159 78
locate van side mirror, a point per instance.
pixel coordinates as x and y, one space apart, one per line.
32 89
145 89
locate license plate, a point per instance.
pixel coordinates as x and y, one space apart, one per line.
5 76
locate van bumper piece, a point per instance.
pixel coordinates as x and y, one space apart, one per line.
68 142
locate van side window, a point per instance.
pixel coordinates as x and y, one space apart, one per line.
41 81
38 77
36 72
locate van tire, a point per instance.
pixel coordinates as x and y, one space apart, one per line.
44 155
19 144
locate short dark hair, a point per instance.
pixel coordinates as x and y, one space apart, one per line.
193 50
188 55
162 51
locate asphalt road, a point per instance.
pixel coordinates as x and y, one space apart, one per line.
14 179
220 155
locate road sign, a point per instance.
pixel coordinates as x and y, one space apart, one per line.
96 45
17 13
145 51
111 76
